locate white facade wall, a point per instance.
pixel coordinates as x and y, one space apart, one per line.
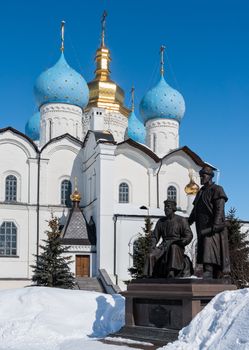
23 218
99 119
127 231
59 161
18 157
175 172
105 169
136 176
116 123
58 119
93 120
162 135
100 168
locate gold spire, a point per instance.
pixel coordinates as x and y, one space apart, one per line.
62 35
162 48
132 99
192 187
103 22
103 92
75 196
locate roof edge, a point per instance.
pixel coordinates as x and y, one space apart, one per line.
142 148
66 135
15 131
194 156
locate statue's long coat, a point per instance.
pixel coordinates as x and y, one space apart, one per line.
208 211
174 234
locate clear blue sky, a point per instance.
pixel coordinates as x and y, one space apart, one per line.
207 61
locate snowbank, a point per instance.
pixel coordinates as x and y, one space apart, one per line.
222 325
45 318
38 318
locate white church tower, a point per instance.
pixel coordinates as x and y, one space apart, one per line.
61 94
162 109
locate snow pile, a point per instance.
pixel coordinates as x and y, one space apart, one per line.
45 318
221 325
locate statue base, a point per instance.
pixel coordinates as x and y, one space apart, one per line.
156 309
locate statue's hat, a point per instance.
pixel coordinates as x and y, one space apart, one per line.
207 170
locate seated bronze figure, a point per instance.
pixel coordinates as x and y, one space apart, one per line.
167 259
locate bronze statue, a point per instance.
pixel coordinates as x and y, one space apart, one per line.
168 259
209 215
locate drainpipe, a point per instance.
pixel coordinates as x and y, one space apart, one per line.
38 205
115 249
157 182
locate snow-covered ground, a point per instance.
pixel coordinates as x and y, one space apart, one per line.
222 325
38 318
55 319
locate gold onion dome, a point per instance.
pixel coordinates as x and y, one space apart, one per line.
75 196
191 187
103 92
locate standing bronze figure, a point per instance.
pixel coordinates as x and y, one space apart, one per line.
168 259
209 215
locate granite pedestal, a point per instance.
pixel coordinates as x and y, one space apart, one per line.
158 308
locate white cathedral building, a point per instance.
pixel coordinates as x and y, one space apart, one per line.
122 163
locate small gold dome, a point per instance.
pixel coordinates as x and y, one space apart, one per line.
75 196
191 187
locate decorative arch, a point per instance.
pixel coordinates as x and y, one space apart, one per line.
63 148
17 144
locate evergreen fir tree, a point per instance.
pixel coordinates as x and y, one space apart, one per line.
141 248
239 251
52 268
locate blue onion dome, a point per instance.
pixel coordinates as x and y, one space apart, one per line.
32 127
61 84
136 129
162 101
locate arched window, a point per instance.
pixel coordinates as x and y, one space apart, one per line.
123 193
66 190
171 193
8 233
10 188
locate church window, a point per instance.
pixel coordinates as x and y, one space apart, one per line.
171 193
123 193
10 188
8 235
66 190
